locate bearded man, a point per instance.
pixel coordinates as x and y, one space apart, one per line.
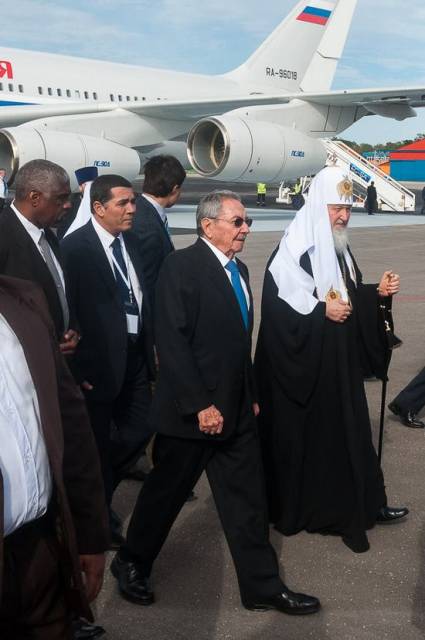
320 332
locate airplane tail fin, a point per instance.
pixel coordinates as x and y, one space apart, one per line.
302 53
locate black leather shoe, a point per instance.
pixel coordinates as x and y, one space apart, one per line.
286 601
408 418
83 630
133 585
391 514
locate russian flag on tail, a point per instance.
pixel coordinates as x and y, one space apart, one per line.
315 15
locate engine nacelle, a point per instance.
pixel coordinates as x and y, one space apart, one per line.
248 150
19 145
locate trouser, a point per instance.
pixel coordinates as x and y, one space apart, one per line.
2 203
412 397
33 605
261 198
235 474
121 427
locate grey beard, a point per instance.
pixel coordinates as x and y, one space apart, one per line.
340 237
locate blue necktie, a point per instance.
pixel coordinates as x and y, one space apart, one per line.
237 287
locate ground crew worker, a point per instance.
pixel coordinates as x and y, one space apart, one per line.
261 194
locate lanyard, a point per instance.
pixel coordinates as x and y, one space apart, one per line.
126 279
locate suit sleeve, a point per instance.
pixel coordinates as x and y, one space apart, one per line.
176 309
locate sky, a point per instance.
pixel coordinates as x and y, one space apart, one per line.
384 48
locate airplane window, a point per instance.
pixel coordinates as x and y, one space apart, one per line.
119 98
143 98
10 87
77 94
20 88
128 98
94 95
59 92
86 95
68 93
40 91
136 98
112 97
49 91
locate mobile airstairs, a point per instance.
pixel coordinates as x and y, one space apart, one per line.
392 195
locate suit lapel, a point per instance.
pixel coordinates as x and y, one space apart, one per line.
19 236
158 221
99 259
220 280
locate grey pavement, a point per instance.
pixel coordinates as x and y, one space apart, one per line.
378 595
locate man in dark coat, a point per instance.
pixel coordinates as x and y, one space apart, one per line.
371 199
320 330
114 359
164 176
53 527
204 410
28 247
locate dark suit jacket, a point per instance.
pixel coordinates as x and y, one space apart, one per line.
70 445
20 258
203 347
153 241
101 355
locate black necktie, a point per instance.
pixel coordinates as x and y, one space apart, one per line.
123 288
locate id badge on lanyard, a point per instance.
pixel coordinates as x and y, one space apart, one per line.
130 306
132 317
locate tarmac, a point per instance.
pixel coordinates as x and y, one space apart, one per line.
378 595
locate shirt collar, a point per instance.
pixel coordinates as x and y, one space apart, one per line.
105 237
219 254
29 227
160 210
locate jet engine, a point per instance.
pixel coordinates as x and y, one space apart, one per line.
19 145
248 150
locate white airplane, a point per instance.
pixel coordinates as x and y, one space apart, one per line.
261 121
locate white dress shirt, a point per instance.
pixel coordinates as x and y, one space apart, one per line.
27 481
2 188
106 240
223 261
35 233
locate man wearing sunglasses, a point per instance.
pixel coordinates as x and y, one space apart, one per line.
204 410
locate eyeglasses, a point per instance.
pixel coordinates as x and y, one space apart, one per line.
237 222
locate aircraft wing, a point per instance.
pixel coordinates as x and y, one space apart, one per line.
163 109
398 103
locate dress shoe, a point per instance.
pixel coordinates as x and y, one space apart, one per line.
408 418
286 601
83 630
133 585
391 514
